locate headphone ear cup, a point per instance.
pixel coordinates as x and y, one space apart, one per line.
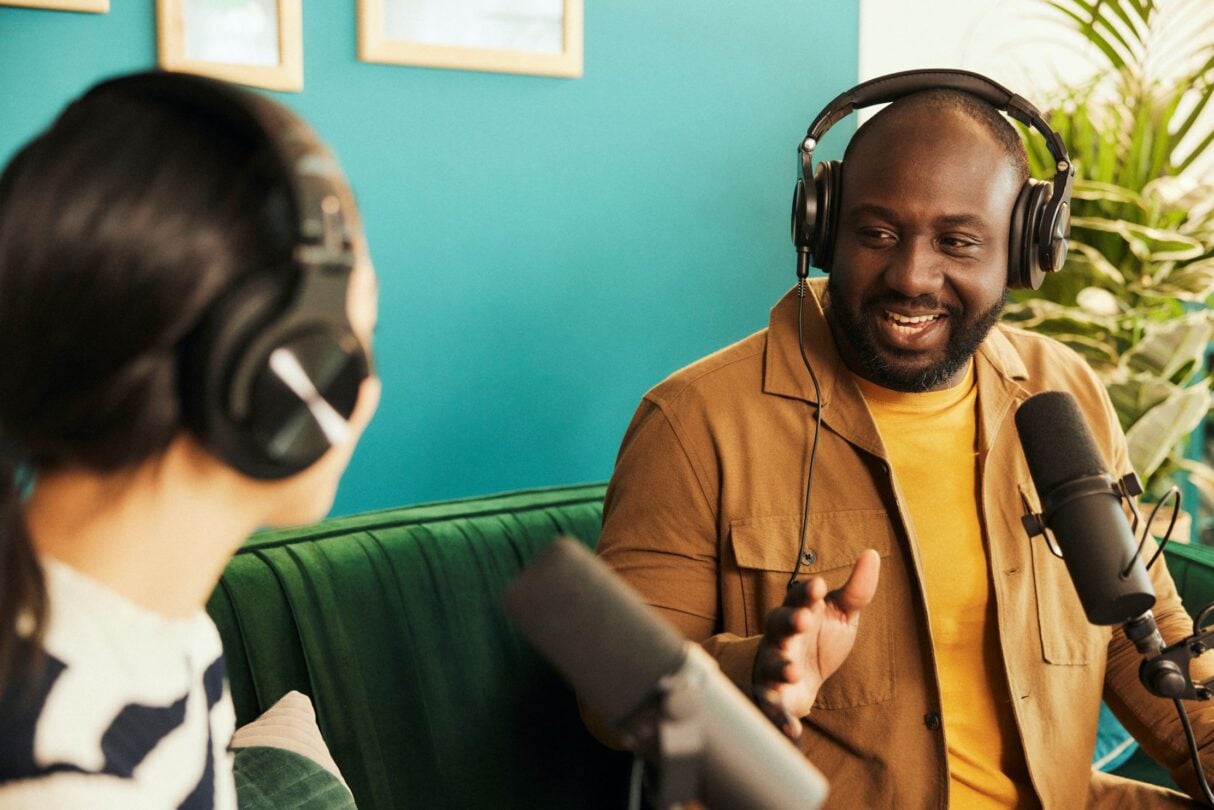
828 187
803 212
239 407
282 426
208 360
1055 234
1024 271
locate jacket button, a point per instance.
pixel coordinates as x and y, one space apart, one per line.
932 721
809 557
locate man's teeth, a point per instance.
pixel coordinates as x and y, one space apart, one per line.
907 320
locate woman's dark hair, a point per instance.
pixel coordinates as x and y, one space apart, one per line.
119 225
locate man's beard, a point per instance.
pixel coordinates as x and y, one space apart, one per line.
861 333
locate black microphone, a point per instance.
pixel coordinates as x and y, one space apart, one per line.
1082 506
666 694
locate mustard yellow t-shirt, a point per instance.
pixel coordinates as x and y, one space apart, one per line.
931 439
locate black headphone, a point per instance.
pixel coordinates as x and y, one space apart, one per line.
1040 219
271 373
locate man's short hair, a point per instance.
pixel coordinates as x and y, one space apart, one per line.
944 100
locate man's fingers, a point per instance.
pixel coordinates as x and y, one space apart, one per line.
860 587
804 592
772 666
785 621
769 702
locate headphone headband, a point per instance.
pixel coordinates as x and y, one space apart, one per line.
894 86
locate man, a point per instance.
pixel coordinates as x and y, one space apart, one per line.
973 678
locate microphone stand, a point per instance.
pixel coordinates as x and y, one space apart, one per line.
670 734
1164 671
682 732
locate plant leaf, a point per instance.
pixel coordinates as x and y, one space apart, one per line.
1087 189
1189 282
1201 476
1172 350
1154 436
1135 394
1148 244
1085 253
1086 25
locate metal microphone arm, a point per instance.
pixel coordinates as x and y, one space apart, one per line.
1166 673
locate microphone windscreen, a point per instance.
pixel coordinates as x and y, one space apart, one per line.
593 628
1057 443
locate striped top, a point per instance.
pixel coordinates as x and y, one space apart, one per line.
131 709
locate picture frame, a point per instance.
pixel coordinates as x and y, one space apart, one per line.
253 42
537 37
90 6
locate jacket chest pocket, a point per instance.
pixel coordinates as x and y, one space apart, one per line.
765 550
1066 637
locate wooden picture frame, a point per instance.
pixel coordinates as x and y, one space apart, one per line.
254 42
538 37
91 6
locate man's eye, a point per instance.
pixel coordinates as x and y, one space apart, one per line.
958 244
876 236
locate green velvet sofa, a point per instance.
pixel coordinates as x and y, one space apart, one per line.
392 622
426 695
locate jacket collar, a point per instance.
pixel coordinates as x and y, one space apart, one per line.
784 372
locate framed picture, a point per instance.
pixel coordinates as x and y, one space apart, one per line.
541 37
95 6
254 42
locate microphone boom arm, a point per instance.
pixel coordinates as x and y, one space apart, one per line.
1167 673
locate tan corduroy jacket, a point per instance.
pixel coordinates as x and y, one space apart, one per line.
702 517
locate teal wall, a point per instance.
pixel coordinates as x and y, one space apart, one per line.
548 249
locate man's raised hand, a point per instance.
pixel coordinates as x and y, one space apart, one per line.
806 640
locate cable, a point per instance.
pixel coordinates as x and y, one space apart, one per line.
634 782
813 451
1199 623
1167 535
1188 733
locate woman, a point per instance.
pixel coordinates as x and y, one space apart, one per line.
186 309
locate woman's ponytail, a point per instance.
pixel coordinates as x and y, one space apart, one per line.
23 603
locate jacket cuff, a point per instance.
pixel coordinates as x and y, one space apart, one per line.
736 657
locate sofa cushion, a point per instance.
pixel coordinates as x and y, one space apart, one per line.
290 724
277 779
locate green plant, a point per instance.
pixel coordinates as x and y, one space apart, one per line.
1133 296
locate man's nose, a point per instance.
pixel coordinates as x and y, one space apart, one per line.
915 269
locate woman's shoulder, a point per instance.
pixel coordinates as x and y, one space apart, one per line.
123 705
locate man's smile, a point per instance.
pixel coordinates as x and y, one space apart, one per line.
910 332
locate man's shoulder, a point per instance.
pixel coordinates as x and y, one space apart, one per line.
1049 364
734 369
1040 352
1034 346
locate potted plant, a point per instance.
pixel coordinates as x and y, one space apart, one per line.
1133 296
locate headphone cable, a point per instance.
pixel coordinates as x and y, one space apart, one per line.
813 451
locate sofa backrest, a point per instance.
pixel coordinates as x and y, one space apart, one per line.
392 622
1192 568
